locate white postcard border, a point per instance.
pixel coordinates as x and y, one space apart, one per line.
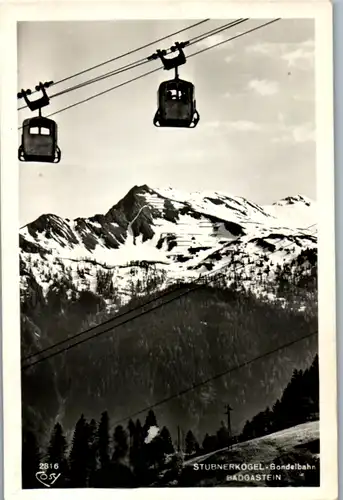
83 10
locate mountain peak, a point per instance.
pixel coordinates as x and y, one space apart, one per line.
45 222
180 234
292 200
131 202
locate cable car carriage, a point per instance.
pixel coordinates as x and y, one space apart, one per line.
39 141
176 105
176 101
39 134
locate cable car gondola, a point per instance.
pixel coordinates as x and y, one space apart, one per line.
39 134
176 101
176 105
39 141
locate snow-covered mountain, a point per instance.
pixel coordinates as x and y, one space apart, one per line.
177 234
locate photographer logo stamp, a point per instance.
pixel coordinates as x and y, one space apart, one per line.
45 477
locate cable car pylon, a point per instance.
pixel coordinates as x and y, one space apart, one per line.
176 97
39 135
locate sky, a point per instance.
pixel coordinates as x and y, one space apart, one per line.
255 96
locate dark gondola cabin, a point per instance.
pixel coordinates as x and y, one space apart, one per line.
39 141
176 105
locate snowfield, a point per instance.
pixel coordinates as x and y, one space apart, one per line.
180 235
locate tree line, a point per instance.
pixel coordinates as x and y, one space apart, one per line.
128 458
145 455
135 456
299 403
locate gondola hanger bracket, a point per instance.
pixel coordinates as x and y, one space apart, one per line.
38 103
173 62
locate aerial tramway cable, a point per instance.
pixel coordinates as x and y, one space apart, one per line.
200 51
167 293
158 69
156 299
39 134
217 376
143 61
192 286
116 58
176 101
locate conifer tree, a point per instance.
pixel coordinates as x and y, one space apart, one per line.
277 416
137 457
206 442
313 384
299 403
93 448
246 433
151 451
192 445
120 444
121 475
103 474
79 455
131 428
155 452
138 440
222 436
150 421
210 443
167 443
104 440
268 419
57 449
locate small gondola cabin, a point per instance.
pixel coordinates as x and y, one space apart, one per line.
176 105
39 141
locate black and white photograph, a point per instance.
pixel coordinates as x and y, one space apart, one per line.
170 205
